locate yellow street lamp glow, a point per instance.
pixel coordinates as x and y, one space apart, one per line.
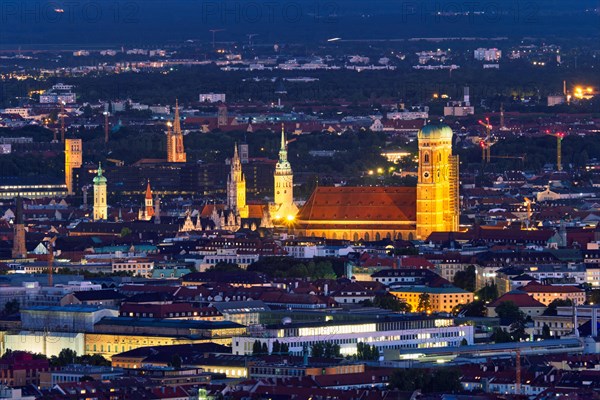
277 216
380 170
290 218
370 172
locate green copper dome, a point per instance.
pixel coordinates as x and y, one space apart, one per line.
436 131
99 179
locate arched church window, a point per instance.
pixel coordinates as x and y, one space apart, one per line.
426 158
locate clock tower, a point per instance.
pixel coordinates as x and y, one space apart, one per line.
437 187
100 206
284 207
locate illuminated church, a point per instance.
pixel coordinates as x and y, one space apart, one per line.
175 149
235 213
375 213
283 207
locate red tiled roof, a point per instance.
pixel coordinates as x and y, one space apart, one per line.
535 287
415 262
521 299
360 204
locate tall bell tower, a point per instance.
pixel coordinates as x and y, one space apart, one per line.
73 159
175 149
100 202
236 186
284 207
437 187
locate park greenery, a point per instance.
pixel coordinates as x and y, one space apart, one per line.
442 380
552 307
465 279
510 315
424 305
67 356
367 352
325 350
389 302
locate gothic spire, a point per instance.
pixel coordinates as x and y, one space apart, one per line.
283 148
176 121
235 153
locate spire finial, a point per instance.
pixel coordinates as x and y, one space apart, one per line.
235 151
176 121
99 169
283 142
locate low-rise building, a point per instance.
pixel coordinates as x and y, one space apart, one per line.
69 318
75 373
441 299
546 294
383 333
21 369
135 266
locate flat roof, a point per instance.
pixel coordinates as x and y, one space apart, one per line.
367 320
68 308
482 348
427 289
157 322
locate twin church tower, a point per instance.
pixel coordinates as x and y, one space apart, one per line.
283 207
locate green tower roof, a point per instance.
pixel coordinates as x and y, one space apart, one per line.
99 179
436 131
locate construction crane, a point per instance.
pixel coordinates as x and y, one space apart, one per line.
559 138
214 31
487 142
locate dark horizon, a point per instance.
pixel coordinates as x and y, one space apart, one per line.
40 24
